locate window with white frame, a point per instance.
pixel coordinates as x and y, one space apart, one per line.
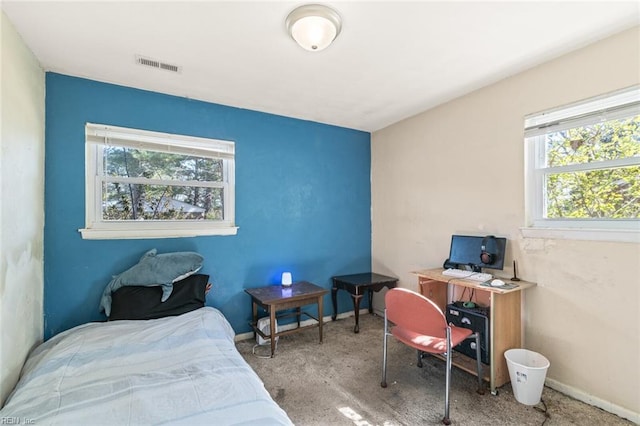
583 167
142 184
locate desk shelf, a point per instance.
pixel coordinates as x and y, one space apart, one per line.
467 364
505 324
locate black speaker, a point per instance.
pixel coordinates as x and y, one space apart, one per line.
476 319
488 250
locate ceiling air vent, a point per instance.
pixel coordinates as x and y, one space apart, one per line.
154 63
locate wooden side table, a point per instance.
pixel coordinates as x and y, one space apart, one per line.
356 285
275 298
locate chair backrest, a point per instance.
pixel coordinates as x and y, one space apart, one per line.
415 312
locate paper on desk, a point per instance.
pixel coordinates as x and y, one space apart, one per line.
506 286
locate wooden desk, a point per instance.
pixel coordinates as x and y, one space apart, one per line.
356 285
505 329
275 298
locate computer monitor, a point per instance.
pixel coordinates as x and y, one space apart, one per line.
466 250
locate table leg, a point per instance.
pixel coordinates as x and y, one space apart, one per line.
356 308
320 319
254 308
370 301
298 313
334 300
272 329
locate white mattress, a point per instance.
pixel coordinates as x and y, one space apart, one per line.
176 370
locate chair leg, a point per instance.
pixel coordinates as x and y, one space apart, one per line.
479 364
383 383
419 364
446 419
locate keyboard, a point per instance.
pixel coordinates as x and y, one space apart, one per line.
467 275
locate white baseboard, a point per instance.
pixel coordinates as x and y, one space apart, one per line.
325 319
592 400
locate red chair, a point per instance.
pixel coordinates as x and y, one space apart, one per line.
420 324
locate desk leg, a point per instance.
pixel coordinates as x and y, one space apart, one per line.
320 313
356 308
370 301
272 330
334 301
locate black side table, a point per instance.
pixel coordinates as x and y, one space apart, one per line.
356 285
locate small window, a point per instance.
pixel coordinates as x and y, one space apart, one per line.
142 184
583 166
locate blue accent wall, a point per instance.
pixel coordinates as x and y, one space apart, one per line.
303 199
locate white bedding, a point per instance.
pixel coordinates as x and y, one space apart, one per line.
176 370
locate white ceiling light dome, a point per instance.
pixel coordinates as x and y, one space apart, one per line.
314 26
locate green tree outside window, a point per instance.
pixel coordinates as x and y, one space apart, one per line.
602 193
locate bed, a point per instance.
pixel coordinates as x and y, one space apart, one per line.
182 369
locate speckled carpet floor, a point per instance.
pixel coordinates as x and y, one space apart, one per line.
338 383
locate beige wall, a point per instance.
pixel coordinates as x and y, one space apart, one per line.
21 204
584 313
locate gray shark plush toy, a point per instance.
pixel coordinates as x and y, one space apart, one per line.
154 269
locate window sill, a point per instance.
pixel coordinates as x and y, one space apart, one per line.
130 234
614 235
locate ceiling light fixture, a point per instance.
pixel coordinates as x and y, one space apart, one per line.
314 26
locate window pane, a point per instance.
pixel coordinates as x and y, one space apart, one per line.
602 194
609 140
123 201
128 162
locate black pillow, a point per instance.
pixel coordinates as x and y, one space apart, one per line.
143 303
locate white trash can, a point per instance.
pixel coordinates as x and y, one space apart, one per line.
527 371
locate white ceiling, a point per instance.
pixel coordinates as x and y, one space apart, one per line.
392 59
